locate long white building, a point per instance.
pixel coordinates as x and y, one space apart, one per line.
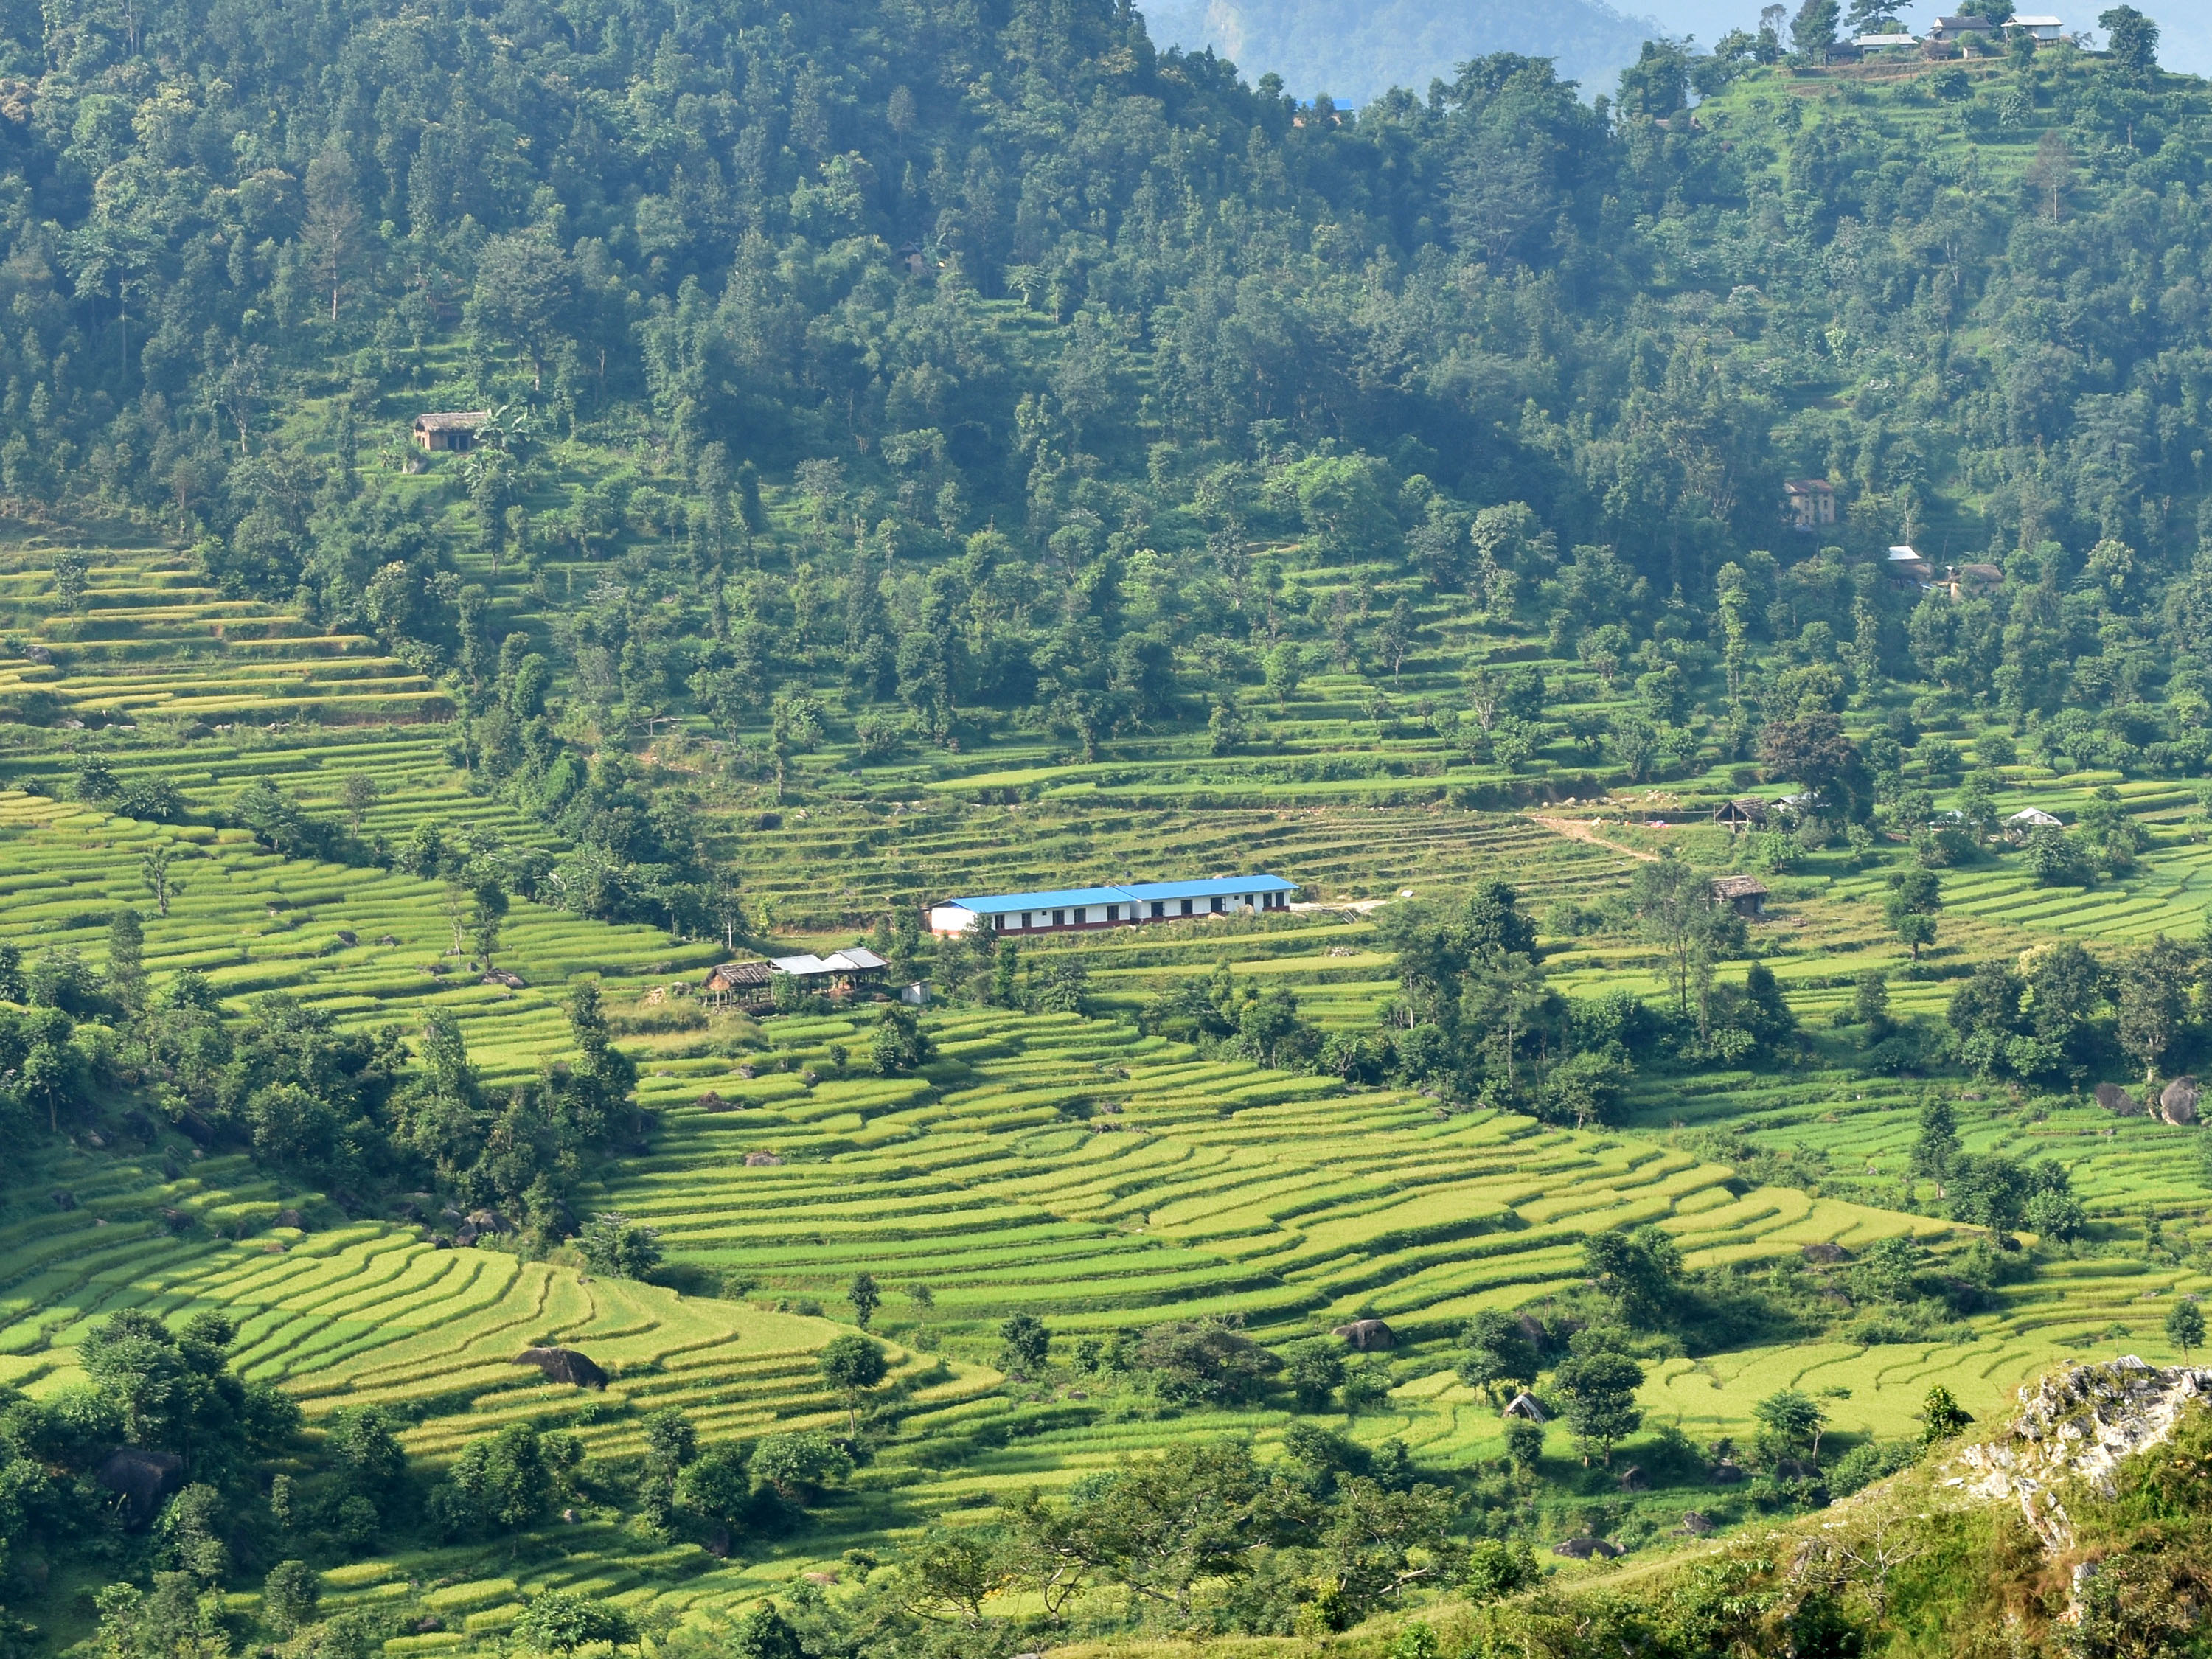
1065 910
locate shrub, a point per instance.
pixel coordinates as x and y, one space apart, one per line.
1496 1568
561 1621
502 1482
1023 1343
2056 860
289 1595
611 1244
1316 1367
716 1484
1203 1361
1863 1465
900 1044
799 1466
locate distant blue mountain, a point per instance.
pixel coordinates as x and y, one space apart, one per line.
1353 49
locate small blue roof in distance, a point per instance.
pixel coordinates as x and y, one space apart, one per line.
1219 887
1136 892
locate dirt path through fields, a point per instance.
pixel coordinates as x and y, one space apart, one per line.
1581 830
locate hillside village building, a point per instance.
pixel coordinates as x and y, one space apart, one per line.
1810 504
843 974
454 430
1065 910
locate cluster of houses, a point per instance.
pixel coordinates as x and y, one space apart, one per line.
1908 569
1809 505
859 973
1951 37
1748 896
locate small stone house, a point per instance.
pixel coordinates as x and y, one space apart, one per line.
455 431
1745 895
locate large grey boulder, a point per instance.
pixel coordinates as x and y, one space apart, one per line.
2179 1101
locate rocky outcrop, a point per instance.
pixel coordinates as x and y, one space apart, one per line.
2077 1425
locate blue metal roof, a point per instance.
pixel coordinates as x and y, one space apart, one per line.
1218 887
1059 899
993 904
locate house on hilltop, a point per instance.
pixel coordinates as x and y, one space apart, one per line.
1069 909
1951 34
454 430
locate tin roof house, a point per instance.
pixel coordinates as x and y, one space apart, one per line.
841 974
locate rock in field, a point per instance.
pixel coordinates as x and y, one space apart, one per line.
564 1366
143 1479
2177 1103
2118 1101
1583 1548
1366 1333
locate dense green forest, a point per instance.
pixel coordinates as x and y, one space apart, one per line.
923 444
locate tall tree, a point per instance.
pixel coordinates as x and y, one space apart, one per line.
2131 43
1916 898
1813 30
333 233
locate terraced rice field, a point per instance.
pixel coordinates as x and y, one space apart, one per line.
253 922
1070 1169
366 1313
150 636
